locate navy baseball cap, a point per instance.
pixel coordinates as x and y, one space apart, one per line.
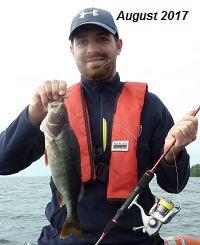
94 16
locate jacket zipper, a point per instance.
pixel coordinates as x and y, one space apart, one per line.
101 117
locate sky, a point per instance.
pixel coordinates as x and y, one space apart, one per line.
34 46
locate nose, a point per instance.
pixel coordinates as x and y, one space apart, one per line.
92 47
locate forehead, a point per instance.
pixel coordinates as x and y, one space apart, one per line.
87 30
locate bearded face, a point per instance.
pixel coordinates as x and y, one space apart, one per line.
101 67
95 50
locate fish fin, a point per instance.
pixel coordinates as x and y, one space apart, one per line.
72 226
60 198
43 125
46 158
81 192
55 147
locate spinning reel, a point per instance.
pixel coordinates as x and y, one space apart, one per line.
161 213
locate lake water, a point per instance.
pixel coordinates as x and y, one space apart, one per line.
23 201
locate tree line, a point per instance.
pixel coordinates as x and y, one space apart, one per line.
195 171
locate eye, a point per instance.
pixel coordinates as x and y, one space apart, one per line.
103 39
82 42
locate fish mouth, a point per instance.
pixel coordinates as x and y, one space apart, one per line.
55 103
55 111
55 107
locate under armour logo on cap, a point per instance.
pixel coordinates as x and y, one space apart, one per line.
94 12
94 16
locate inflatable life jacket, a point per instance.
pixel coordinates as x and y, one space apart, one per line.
123 163
181 240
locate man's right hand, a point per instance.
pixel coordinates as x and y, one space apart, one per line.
48 92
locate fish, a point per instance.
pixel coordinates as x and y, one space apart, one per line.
62 154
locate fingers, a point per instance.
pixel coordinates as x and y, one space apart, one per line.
41 99
194 112
191 122
51 91
54 88
62 87
185 132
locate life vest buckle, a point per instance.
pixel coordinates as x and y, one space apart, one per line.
102 172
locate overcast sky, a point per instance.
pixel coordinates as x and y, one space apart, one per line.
34 47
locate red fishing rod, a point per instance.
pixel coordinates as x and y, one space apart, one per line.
141 185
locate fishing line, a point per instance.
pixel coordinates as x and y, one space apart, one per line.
62 98
175 163
177 177
102 66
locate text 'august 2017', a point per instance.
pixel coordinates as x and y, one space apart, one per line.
164 15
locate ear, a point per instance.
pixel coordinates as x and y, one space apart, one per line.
72 49
119 46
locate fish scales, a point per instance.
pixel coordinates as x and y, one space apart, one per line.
63 156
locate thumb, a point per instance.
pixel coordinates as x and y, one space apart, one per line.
193 112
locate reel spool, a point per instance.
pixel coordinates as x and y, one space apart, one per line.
162 208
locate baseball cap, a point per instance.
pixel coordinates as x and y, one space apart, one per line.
94 16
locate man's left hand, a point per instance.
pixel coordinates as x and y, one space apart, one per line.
184 131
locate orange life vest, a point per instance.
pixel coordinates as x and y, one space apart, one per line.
126 123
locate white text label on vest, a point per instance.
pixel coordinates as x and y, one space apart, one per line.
120 145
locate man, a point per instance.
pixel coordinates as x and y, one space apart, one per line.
117 112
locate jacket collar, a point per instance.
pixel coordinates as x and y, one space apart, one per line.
109 88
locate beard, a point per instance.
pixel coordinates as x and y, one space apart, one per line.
98 73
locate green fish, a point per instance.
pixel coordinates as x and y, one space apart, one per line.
62 154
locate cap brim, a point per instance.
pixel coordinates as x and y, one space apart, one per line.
108 28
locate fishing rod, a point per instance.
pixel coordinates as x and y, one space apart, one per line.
141 185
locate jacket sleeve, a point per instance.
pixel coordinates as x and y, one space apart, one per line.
173 179
20 144
157 121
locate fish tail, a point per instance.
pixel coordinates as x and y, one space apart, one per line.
72 226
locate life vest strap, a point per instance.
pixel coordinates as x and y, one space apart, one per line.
102 172
98 153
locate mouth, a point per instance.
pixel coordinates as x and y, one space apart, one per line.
55 103
55 107
95 61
